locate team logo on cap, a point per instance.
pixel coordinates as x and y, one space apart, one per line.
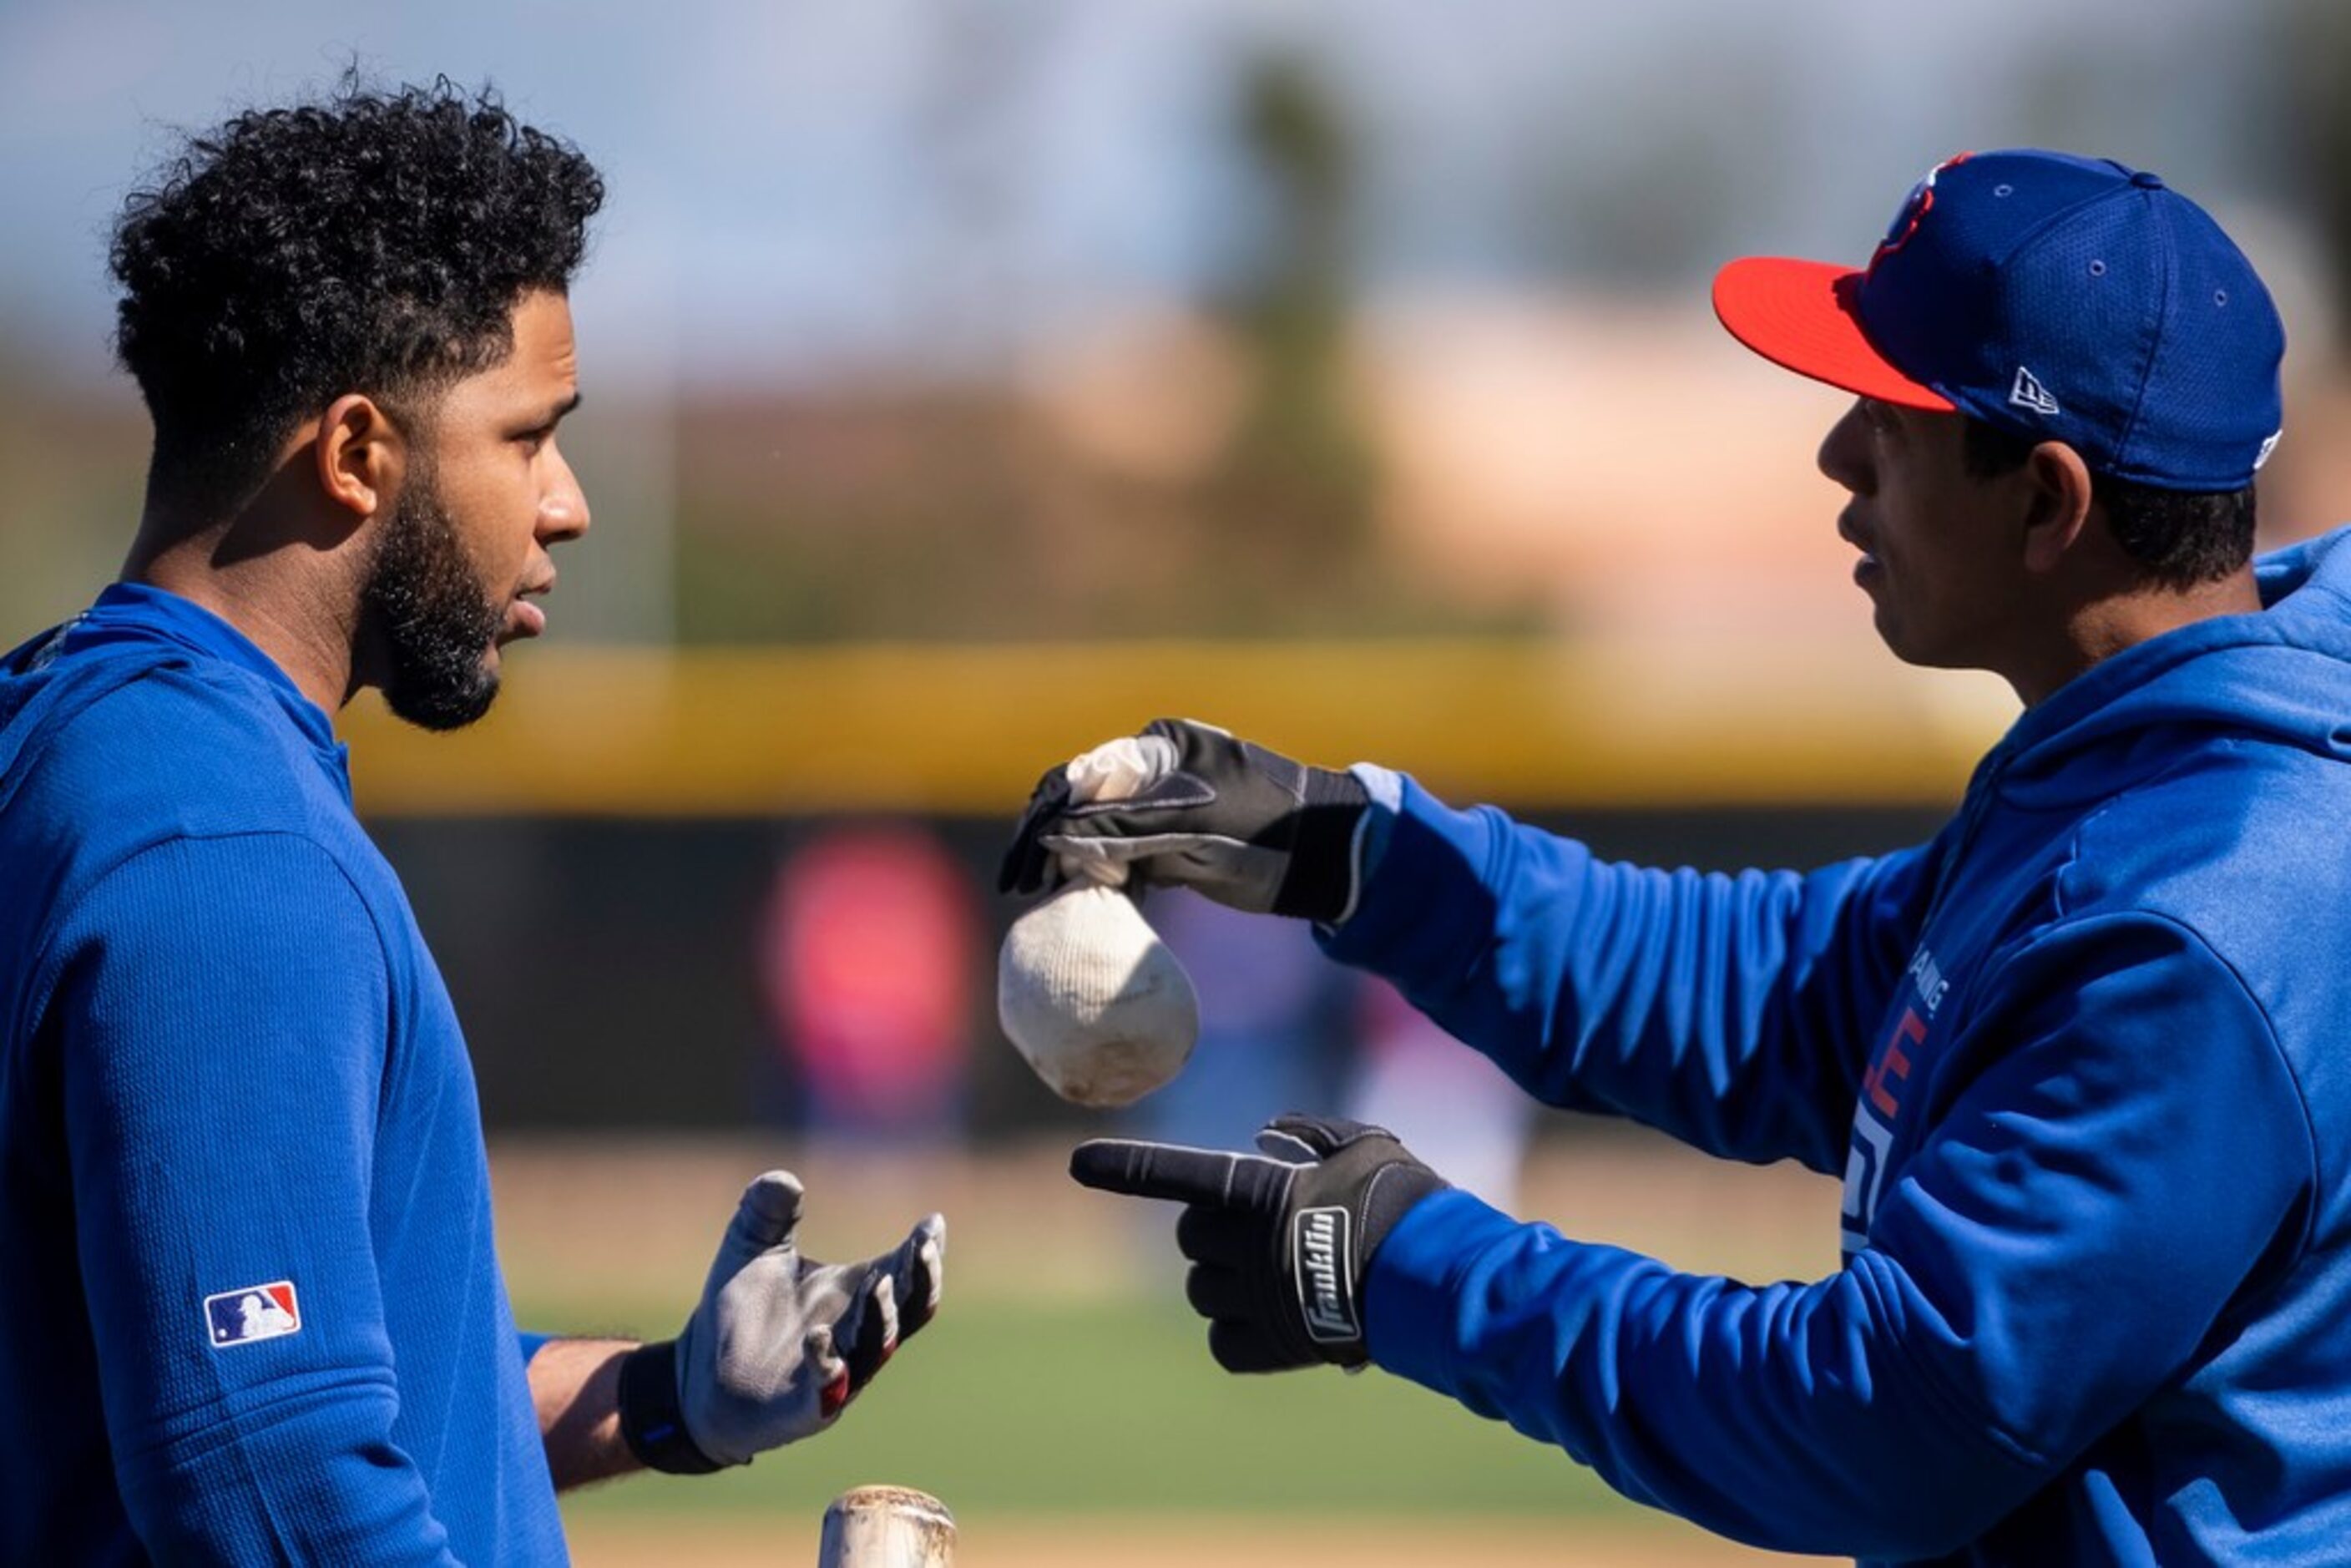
255 1313
1914 208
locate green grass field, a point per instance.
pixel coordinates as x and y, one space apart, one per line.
1012 1407
1064 1404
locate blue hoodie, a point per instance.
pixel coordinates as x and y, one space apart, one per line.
251 1311
2084 1064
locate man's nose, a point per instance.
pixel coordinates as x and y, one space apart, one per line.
1845 454
563 508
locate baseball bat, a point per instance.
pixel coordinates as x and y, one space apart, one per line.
887 1527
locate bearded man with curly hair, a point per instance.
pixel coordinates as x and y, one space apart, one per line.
252 1313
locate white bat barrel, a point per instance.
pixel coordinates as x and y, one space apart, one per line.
887 1527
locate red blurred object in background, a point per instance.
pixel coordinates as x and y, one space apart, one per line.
867 964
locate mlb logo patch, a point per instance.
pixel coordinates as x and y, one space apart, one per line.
255 1313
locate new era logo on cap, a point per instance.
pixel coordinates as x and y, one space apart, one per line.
2028 393
255 1313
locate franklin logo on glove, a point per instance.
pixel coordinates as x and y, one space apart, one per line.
1320 1239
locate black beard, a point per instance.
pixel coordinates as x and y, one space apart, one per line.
437 621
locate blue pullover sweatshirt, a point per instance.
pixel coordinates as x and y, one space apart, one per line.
2084 1064
252 1314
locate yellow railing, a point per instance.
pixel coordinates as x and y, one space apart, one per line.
966 729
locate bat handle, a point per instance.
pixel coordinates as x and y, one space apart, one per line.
887 1527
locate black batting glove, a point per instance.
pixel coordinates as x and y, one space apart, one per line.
1242 825
1279 1244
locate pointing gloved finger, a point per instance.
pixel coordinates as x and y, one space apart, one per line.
1143 1169
1211 1178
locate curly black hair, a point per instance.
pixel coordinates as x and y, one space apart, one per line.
375 242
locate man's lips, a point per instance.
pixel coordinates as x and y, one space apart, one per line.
525 619
1850 533
1848 526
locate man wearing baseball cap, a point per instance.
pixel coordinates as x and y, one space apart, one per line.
2078 1060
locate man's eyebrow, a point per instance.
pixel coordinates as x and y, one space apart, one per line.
564 407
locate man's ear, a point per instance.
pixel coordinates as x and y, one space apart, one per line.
2057 504
360 453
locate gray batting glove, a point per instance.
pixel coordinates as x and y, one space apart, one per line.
779 1344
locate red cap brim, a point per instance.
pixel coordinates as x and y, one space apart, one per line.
1800 314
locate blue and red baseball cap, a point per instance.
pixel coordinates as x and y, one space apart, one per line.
2060 298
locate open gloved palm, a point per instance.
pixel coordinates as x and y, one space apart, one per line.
779 1343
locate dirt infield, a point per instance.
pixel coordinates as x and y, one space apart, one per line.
1146 1542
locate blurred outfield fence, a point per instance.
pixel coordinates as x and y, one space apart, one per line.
965 731
594 864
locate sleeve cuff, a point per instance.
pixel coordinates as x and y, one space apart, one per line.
531 1343
1410 1309
1414 848
652 1421
1384 792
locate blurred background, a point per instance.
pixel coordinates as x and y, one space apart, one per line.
970 381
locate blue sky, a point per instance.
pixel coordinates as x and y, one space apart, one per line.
805 189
